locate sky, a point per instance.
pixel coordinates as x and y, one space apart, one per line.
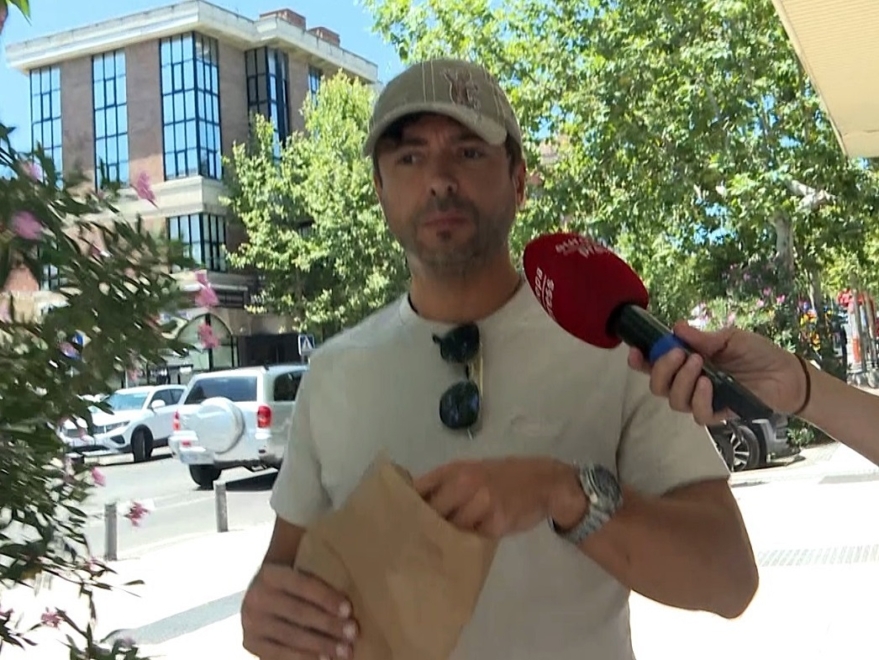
345 17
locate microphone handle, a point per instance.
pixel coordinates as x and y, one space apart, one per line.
638 328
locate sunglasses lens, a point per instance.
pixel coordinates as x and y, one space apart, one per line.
461 344
459 405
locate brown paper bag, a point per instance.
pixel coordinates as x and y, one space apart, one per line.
413 578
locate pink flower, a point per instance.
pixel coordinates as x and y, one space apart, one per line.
97 252
144 189
32 170
207 337
25 225
69 350
731 319
780 300
760 304
206 297
51 618
98 477
136 513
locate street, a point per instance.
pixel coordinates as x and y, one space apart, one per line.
178 510
813 531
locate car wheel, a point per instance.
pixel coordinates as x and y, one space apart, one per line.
746 449
204 475
141 445
725 449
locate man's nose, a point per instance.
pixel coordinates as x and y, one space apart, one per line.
442 181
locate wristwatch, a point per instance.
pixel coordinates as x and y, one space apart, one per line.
603 493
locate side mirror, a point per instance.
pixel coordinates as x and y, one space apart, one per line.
158 403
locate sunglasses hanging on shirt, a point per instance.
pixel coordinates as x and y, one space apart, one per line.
460 405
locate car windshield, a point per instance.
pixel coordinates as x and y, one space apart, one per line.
125 401
234 388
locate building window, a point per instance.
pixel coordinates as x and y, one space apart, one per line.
315 75
111 118
191 106
51 280
203 236
46 112
267 80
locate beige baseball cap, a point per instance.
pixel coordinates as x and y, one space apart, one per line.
464 91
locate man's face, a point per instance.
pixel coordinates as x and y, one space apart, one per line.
449 197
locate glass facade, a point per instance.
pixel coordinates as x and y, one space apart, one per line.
111 117
46 112
267 83
191 106
203 236
224 356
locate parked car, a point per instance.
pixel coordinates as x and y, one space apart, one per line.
235 418
139 421
752 444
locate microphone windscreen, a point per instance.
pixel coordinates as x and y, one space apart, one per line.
580 283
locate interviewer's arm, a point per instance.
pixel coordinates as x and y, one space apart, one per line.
845 413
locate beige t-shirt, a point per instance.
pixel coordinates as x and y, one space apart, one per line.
377 387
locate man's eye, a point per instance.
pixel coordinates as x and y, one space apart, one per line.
406 159
472 152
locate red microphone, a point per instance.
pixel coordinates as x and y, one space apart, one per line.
596 296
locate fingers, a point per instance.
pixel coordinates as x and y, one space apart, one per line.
637 361
289 614
702 405
683 382
664 370
313 590
706 343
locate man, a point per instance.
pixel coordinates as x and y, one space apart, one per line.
784 382
511 426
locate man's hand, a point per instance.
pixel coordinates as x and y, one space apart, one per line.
288 614
506 496
771 373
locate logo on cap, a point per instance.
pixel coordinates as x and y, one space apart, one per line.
463 89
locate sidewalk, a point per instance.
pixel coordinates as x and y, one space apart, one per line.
816 540
191 589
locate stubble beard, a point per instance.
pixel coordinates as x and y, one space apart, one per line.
451 258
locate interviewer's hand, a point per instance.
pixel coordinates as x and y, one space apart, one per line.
771 373
290 615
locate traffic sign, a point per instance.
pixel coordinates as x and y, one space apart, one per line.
306 345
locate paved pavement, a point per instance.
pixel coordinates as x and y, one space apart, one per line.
179 511
811 522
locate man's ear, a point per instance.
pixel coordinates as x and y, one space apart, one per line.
377 183
519 178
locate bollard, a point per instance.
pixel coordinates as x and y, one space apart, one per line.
111 547
222 510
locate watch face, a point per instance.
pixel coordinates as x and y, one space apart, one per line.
605 482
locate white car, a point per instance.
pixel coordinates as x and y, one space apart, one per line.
235 418
140 420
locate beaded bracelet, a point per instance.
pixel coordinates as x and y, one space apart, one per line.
805 367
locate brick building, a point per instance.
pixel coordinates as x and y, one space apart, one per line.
165 93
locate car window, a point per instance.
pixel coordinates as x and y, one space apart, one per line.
286 386
126 400
234 388
173 396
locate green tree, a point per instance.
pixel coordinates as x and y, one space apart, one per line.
314 228
688 134
115 282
